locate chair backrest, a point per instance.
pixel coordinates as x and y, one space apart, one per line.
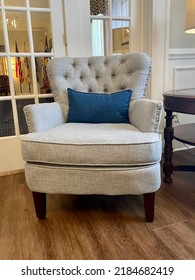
101 74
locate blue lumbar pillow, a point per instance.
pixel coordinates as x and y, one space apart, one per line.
98 108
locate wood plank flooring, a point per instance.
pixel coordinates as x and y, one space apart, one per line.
99 227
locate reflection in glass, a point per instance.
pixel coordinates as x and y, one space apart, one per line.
4 85
17 31
6 119
2 44
21 118
97 31
120 8
120 36
41 28
39 4
3 66
18 3
46 100
41 74
99 7
21 69
4 78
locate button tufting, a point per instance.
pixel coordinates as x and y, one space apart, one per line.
89 90
97 77
105 90
131 73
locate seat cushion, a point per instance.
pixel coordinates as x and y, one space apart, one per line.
92 145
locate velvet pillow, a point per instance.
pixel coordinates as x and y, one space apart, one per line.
98 108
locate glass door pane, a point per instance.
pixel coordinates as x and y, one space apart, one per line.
120 36
4 77
2 43
41 28
22 75
97 34
40 4
120 8
17 31
6 119
43 85
99 7
18 3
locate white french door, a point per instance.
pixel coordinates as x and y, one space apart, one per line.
31 33
110 26
103 27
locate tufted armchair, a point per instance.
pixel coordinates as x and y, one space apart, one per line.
107 158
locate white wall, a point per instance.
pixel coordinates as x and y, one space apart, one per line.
178 38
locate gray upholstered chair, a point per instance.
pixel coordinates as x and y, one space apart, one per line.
94 158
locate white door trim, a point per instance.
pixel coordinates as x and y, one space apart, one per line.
160 47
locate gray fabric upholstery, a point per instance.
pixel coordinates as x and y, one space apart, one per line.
93 144
93 180
41 117
146 114
80 158
99 74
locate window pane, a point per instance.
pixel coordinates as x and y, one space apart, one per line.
99 7
120 35
41 27
46 100
22 75
39 4
2 44
97 31
18 3
21 118
4 79
120 23
120 8
41 74
17 31
6 119
4 85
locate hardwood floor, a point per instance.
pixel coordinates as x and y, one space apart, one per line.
99 227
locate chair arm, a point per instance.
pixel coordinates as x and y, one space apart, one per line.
146 114
42 117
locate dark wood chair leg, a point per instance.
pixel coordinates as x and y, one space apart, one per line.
40 204
149 200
